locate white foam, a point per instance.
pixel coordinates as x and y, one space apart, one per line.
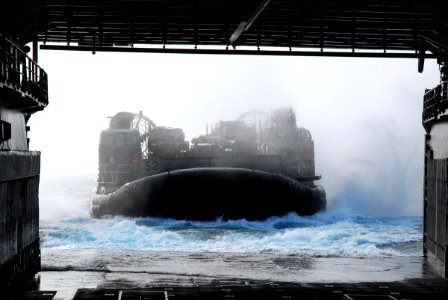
65 224
320 235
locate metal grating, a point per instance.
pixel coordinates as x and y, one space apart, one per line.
426 289
381 26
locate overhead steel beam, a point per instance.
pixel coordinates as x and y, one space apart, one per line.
242 52
245 24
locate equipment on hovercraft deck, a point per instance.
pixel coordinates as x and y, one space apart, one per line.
295 145
226 138
165 142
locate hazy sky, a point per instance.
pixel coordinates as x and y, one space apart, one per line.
364 114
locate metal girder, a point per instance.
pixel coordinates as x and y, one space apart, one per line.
369 25
245 24
370 54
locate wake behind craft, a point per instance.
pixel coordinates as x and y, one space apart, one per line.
257 166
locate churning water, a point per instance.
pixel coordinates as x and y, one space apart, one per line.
65 224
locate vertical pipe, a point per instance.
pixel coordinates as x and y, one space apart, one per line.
35 52
29 69
445 263
445 273
425 194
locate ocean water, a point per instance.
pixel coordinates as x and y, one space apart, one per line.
339 232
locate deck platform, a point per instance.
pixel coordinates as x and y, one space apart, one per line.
124 274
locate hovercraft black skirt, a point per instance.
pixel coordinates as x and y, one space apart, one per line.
209 193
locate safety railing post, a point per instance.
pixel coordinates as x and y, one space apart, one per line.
21 73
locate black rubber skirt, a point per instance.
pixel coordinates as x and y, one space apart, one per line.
209 193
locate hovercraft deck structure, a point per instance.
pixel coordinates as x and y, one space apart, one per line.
257 166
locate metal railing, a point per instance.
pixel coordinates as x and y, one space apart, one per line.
435 103
20 72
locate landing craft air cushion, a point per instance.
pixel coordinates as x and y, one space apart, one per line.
255 167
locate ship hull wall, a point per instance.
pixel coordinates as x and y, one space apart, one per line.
19 217
435 208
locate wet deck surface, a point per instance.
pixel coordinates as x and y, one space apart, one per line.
123 274
396 290
411 289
